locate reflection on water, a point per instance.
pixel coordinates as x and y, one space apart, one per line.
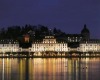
50 69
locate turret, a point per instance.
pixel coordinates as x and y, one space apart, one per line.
85 33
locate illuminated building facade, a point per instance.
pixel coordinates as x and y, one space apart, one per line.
49 44
80 43
9 46
90 46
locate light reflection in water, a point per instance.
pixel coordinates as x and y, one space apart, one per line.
50 69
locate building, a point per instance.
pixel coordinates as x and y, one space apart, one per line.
92 45
49 45
84 35
9 45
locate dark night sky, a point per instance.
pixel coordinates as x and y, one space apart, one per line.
67 15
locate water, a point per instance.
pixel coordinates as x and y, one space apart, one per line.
50 69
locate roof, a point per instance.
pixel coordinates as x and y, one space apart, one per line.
91 41
74 35
8 41
85 29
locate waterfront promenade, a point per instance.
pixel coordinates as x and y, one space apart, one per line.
48 55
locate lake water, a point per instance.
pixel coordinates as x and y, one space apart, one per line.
50 69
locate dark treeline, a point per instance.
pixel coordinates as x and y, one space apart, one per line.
36 32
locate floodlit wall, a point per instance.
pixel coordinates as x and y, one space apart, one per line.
90 47
49 47
49 43
9 47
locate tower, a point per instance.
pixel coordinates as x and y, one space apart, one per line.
85 33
